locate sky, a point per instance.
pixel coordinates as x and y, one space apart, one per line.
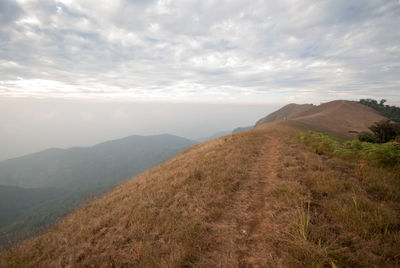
69 58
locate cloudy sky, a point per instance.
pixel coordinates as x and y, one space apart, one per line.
81 72
202 51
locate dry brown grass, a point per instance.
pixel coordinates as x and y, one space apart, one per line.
165 217
251 199
347 216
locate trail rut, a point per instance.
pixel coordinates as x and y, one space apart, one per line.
251 226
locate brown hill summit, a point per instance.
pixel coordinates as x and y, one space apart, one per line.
287 112
257 198
343 118
340 117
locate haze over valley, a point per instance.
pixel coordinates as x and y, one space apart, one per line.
32 125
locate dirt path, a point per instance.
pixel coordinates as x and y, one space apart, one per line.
257 226
251 226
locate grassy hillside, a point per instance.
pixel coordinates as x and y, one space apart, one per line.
342 118
276 195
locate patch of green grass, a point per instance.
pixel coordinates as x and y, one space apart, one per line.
386 154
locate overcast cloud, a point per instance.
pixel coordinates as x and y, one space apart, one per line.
207 51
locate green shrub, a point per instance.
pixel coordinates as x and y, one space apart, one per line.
366 136
386 154
384 131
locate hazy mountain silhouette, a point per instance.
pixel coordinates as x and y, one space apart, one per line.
86 167
38 188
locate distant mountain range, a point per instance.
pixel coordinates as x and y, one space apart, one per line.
38 188
103 164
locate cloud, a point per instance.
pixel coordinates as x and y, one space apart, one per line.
9 11
201 50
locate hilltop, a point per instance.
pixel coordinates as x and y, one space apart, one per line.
341 118
258 198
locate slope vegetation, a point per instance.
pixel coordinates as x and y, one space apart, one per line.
258 198
389 111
